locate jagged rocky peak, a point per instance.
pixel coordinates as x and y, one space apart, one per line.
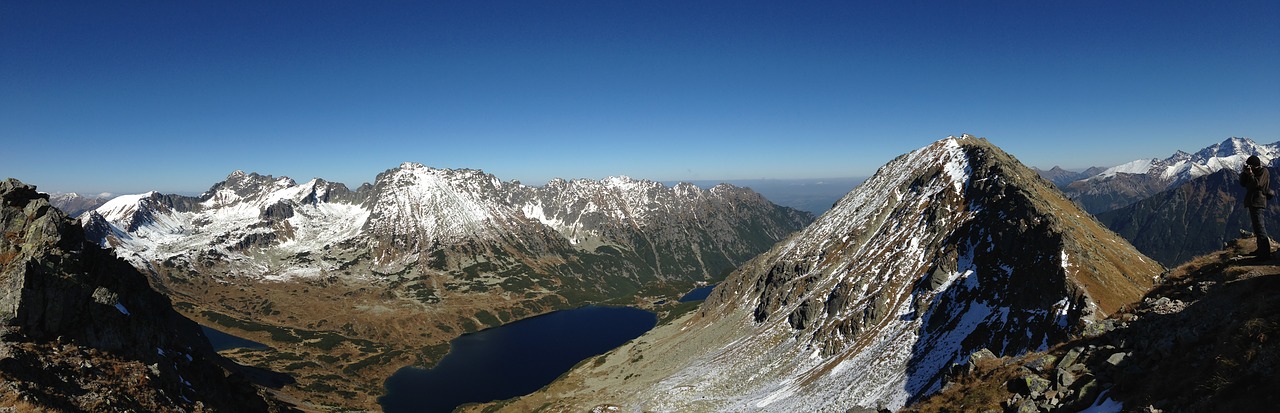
415 201
265 190
945 251
79 327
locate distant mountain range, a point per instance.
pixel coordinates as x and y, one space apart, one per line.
1125 184
947 250
369 277
1062 177
74 204
1194 218
811 195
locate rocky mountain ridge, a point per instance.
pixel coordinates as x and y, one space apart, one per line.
946 250
82 330
414 208
1062 177
1125 184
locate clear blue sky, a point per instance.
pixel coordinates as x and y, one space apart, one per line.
174 95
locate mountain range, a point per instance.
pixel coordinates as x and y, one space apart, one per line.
1062 177
945 251
362 282
948 256
1191 219
74 204
1125 184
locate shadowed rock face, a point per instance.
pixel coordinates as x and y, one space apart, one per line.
62 297
1199 341
947 250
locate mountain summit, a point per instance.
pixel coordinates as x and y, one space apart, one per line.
946 251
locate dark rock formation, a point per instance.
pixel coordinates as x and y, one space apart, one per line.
1199 341
63 299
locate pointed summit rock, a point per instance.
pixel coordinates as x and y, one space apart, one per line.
948 250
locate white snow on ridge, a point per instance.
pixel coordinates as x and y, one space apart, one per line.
1181 167
122 207
1140 166
226 219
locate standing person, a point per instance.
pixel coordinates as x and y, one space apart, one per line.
1257 181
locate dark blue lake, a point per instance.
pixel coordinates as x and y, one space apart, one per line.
223 341
514 359
698 294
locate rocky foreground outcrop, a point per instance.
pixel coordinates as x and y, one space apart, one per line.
81 330
1202 340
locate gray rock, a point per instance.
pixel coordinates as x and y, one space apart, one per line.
1042 363
1099 328
1030 385
1117 358
103 296
1086 389
1069 359
1026 406
1066 378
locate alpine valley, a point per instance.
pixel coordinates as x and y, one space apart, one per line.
946 251
347 286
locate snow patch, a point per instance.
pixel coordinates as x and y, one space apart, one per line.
1104 404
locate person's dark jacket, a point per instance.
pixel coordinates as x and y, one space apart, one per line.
1256 180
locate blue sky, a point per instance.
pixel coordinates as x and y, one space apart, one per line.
173 96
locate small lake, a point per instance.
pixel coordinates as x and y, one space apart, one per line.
223 341
514 359
698 294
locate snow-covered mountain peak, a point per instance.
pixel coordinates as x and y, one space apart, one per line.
946 250
1182 166
122 208
414 208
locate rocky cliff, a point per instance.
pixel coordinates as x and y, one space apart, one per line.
947 250
81 330
1200 341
